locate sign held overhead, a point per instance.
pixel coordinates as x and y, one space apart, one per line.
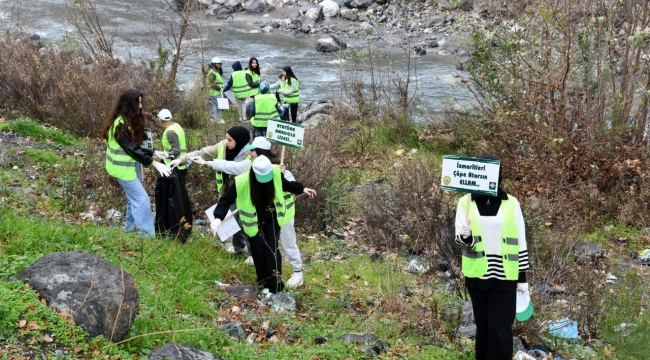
285 133
471 175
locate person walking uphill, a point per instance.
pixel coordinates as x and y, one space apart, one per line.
263 109
289 87
123 132
241 84
494 263
214 82
258 194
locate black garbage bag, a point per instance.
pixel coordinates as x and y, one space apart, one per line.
173 208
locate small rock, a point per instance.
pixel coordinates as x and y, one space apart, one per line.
320 340
235 330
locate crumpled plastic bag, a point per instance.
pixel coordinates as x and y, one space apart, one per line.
564 328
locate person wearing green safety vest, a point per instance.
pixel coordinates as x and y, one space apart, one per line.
173 141
123 133
261 146
214 83
289 87
263 109
253 70
494 263
259 195
240 83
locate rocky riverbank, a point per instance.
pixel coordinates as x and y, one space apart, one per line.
425 27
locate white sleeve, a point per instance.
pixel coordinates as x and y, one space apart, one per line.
230 167
275 85
288 175
206 152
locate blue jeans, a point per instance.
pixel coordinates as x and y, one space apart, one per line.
139 217
215 109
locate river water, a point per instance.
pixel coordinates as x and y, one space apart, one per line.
136 27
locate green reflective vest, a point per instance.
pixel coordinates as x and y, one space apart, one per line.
247 213
265 110
118 163
294 97
256 78
210 82
240 87
475 263
167 146
221 154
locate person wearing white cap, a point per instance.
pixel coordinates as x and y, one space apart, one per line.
259 195
261 146
173 141
214 83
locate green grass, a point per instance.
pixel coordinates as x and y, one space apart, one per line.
28 127
177 291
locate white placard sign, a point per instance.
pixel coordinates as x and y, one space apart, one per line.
228 227
470 175
285 133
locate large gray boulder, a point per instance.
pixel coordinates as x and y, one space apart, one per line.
330 44
330 8
100 296
183 352
255 6
314 108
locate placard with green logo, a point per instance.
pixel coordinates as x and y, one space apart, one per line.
470 175
285 133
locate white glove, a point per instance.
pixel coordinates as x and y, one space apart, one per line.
465 229
198 160
174 163
163 169
160 155
522 287
214 226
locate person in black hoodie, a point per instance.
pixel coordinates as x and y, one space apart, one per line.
123 132
494 263
241 83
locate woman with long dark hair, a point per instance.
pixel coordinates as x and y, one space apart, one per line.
253 70
123 132
289 87
259 195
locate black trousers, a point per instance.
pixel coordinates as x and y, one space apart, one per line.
293 108
494 312
265 253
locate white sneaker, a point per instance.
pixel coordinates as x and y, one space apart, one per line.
249 261
295 280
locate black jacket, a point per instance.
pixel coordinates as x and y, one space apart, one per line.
133 149
229 197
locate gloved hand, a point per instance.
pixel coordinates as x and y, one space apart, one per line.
214 226
198 160
522 287
163 169
160 155
465 229
174 163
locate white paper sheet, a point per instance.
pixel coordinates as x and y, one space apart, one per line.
228 227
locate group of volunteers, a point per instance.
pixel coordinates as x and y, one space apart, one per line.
250 179
247 84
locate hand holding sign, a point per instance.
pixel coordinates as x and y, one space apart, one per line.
472 175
